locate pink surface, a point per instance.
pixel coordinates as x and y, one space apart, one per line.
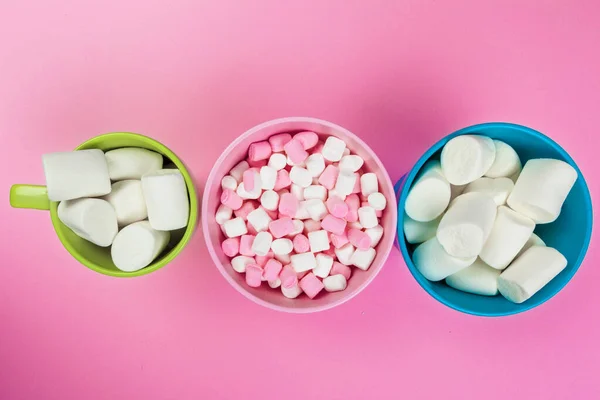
194 75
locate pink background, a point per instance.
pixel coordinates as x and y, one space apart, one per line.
194 75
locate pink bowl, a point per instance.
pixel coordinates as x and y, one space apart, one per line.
264 295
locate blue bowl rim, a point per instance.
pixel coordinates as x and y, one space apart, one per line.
409 178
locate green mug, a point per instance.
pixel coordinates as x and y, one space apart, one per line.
92 256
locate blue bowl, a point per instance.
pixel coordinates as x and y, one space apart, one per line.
570 233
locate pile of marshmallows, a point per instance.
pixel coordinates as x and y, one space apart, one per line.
134 213
304 213
476 232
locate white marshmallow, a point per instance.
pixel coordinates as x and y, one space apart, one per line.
274 284
249 195
268 177
542 189
506 163
239 263
238 171
478 278
262 243
291 293
318 240
300 176
259 219
132 163
235 227
377 201
315 164
466 225
419 232
298 227
467 157
530 272
333 150
363 259
497 188
315 192
375 233
345 182
369 184
335 283
333 193
509 234
534 240
229 182
317 210
456 190
137 245
303 262
166 199
223 214
429 196
344 254
351 163
324 264
282 246
297 191
367 217
127 198
76 174
435 264
94 220
269 200
277 161
302 211
283 258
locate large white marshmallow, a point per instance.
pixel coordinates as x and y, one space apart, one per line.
166 199
94 220
127 198
506 163
429 196
132 163
137 245
542 188
75 174
509 234
530 272
478 278
534 240
467 157
498 188
419 232
466 225
434 263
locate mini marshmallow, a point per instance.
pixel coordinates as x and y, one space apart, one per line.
466 158
324 264
239 263
337 207
478 278
298 228
340 269
251 180
356 187
353 203
269 200
261 261
351 163
288 276
375 233
257 164
229 182
94 220
166 199
419 232
251 229
333 150
303 262
534 240
335 283
271 270
377 201
291 292
302 212
311 285
223 214
245 209
344 254
127 198
235 227
283 180
497 188
430 194
137 245
246 244
297 191
268 177
345 182
509 234
316 209
333 193
300 176
259 151
254 274
354 225
530 272
132 163
506 163
435 264
238 171
359 239
466 225
329 177
318 240
369 184
542 188
301 243
245 194
288 205
311 226
333 224
262 243
281 227
367 217
231 199
363 259
315 164
259 219
295 151
76 174
283 258
307 138
315 192
231 247
274 284
338 240
282 246
277 161
278 141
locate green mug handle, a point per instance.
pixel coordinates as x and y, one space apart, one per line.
29 196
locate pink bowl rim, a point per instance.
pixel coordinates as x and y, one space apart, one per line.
205 229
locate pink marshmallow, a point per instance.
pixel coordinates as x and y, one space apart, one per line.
301 243
342 269
338 240
253 275
356 188
263 260
288 277
259 151
288 205
311 285
307 138
283 180
271 270
231 246
278 141
249 179
337 207
329 177
353 203
246 242
231 199
295 151
333 224
246 208
311 226
359 239
257 164
281 227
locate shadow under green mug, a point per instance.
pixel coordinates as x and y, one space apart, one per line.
99 258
